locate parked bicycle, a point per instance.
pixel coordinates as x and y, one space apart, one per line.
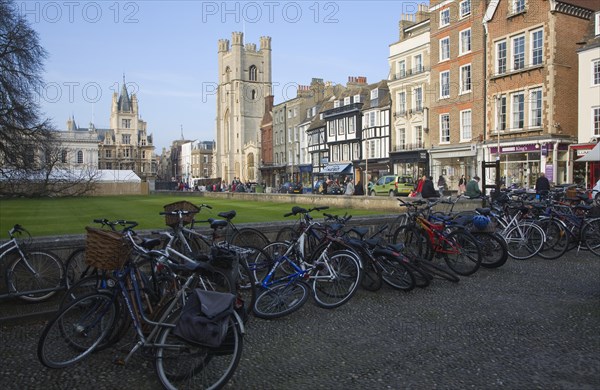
31 275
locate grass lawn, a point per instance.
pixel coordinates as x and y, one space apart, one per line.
58 216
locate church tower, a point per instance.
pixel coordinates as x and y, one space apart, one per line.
244 81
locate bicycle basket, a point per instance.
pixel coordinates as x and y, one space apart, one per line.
184 205
105 249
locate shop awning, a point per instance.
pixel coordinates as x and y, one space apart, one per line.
337 168
592 155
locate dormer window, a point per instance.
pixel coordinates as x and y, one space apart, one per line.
518 6
597 23
374 94
346 100
357 98
336 103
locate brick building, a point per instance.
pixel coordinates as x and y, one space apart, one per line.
457 93
532 85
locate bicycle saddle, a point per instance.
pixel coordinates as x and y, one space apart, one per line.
228 215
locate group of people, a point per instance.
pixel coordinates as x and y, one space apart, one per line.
426 189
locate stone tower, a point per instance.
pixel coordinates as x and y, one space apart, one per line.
244 81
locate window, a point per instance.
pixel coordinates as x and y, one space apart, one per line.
444 17
465 8
596 70
125 139
401 102
126 123
331 129
253 73
597 22
372 119
465 41
79 157
401 69
518 110
518 6
444 49
64 156
535 104
419 136
355 100
351 125
465 125
108 153
418 92
537 47
336 103
444 128
374 94
126 152
445 84
341 127
501 112
402 138
518 52
346 100
465 78
289 113
501 57
596 119
418 63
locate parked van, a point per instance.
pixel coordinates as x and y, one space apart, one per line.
391 185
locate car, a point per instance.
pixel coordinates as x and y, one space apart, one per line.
290 188
392 185
335 189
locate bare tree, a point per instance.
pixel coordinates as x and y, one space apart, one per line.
30 153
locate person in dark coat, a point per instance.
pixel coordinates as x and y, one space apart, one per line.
542 185
428 190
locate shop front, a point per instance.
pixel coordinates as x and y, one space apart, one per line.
414 163
521 164
452 163
586 167
373 168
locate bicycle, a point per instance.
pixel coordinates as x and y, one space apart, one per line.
334 276
34 275
78 328
423 238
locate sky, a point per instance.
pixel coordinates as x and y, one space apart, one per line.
167 52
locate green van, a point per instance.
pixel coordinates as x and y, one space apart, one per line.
391 185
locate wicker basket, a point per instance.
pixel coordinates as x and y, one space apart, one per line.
105 249
184 205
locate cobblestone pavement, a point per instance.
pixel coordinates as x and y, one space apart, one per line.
530 324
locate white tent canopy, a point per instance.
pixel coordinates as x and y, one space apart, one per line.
592 155
113 175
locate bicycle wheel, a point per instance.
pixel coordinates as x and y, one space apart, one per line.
180 364
524 241
590 235
371 280
493 249
437 271
276 251
249 237
77 330
395 274
287 234
76 268
245 290
416 243
337 278
557 239
39 271
461 253
280 300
